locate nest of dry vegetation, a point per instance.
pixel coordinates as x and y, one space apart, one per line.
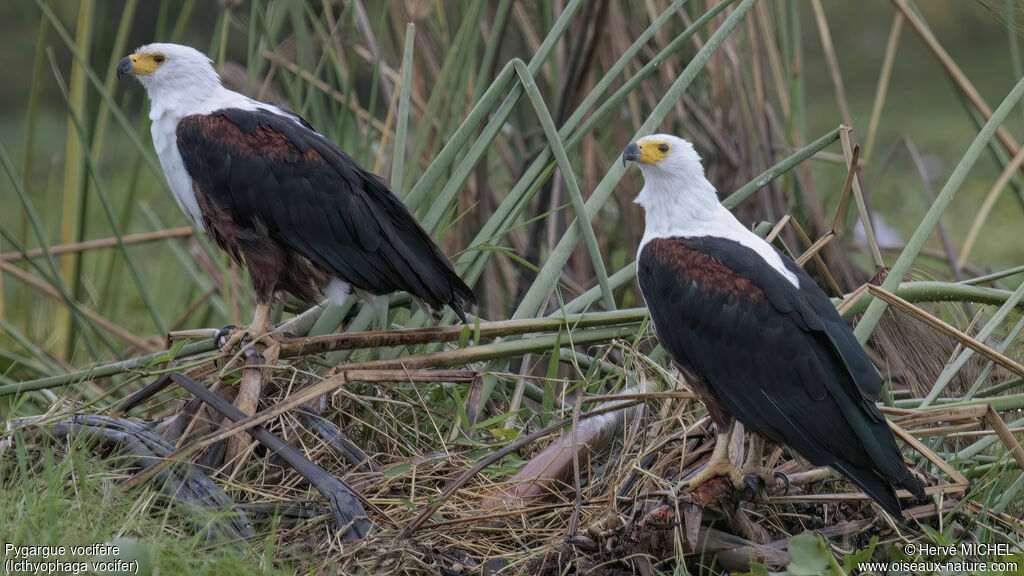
550 444
365 469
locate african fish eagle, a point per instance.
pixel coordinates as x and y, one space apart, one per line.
757 338
280 198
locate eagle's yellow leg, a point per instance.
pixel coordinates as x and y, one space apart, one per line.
719 465
753 466
259 326
755 455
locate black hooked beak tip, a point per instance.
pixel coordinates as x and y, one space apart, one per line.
125 66
631 153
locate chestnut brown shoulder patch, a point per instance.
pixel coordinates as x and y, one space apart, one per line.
258 140
701 268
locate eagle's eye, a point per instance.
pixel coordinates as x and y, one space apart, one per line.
159 58
663 148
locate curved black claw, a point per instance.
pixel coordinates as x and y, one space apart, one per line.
785 480
222 335
753 486
288 335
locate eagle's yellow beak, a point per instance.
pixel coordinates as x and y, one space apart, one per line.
646 152
139 64
126 65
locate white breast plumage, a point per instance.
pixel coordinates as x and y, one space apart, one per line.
166 143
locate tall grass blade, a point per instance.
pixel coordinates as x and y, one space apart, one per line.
545 281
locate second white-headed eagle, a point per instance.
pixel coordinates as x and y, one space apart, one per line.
284 201
756 337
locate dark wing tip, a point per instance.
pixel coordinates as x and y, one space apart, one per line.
914 485
461 296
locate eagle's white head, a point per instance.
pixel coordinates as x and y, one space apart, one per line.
675 188
679 201
171 73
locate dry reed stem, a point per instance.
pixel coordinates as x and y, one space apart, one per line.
1006 436
844 198
943 327
987 205
180 232
883 83
833 63
779 226
960 481
851 152
802 234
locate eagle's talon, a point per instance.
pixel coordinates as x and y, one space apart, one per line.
766 479
752 485
714 468
222 335
233 338
785 480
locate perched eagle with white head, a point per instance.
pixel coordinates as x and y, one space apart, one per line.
280 198
757 338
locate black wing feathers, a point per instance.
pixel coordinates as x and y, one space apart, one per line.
780 358
316 200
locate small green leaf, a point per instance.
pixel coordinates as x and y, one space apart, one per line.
504 433
810 555
491 421
936 536
175 349
850 561
398 470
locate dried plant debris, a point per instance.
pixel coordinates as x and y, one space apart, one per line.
373 441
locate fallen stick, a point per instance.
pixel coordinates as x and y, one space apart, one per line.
349 514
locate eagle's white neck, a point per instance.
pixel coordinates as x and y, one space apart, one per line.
185 92
682 203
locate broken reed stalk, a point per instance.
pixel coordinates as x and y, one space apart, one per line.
497 455
141 237
351 340
947 329
1005 434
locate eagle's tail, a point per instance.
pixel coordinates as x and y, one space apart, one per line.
461 296
879 488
